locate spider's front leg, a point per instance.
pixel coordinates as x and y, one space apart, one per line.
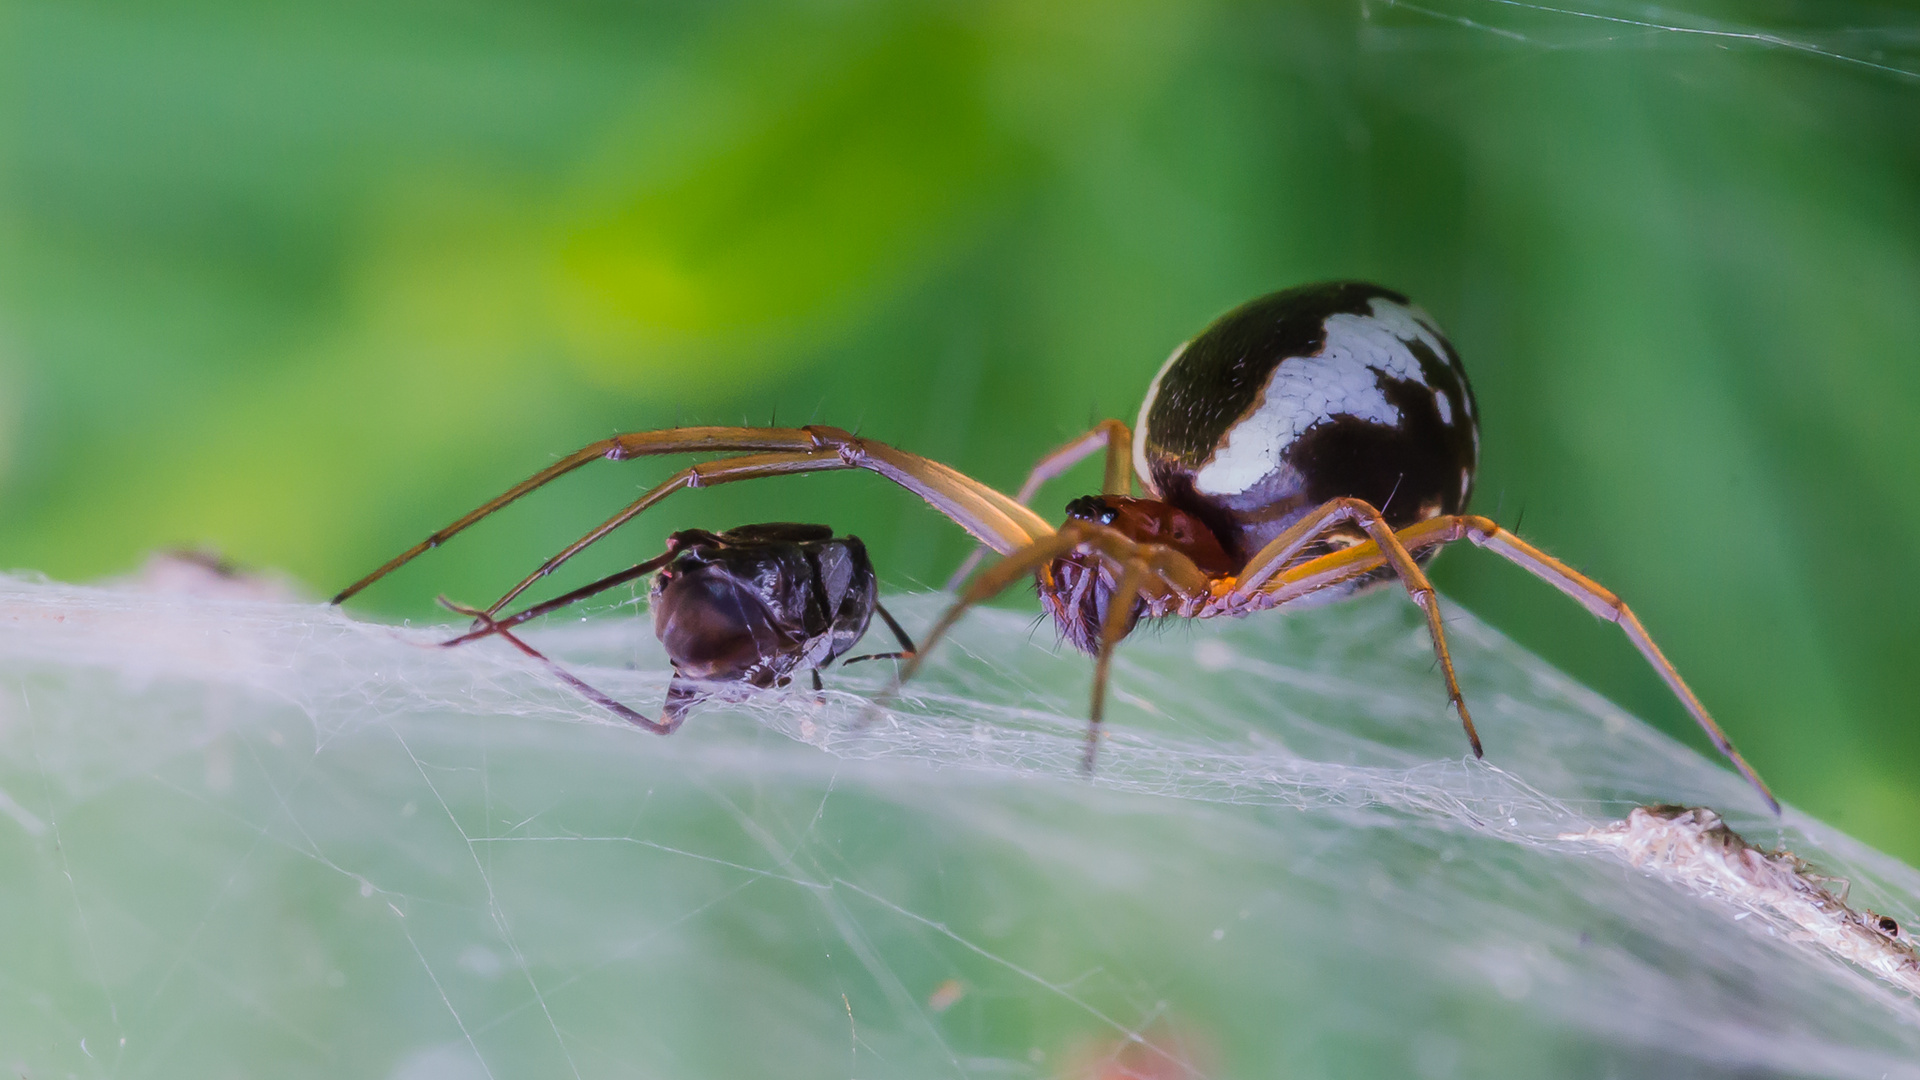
991 517
1152 570
1112 435
1150 565
986 513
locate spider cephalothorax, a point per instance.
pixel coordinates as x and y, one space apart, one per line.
1076 588
1307 444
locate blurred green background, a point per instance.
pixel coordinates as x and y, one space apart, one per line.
304 281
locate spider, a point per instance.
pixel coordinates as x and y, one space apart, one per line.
1306 445
750 605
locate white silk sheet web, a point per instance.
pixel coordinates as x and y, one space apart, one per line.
252 838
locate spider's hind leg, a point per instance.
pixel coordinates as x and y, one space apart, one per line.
1331 569
1604 605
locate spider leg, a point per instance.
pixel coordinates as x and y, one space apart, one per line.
1111 435
1180 577
745 467
494 626
990 516
592 694
617 448
1144 568
1133 576
974 506
1348 563
1315 525
997 577
1606 606
1345 564
1115 436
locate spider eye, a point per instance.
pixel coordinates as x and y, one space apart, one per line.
1092 508
1888 926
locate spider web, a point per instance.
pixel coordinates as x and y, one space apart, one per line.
1881 38
261 837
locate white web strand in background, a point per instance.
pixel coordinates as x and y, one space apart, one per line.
252 838
1860 35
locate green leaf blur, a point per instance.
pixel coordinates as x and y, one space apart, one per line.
305 282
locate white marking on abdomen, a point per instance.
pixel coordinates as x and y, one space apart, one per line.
1340 380
1140 423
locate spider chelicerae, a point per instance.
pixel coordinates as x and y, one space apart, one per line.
1305 445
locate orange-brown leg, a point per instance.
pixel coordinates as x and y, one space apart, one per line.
1133 576
1335 568
706 474
992 517
1605 605
1178 576
1315 525
1143 567
617 448
1114 436
978 514
996 578
1344 565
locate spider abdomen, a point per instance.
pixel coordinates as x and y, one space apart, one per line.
1305 395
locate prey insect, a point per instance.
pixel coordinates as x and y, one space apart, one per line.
749 607
1306 445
